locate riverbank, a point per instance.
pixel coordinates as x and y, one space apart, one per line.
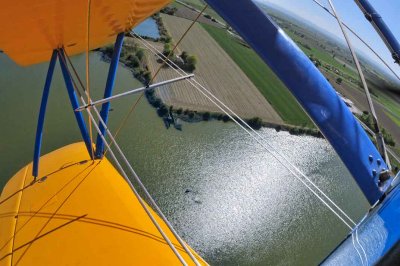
143 64
255 122
134 58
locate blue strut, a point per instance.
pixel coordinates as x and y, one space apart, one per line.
74 102
311 90
108 92
42 112
381 28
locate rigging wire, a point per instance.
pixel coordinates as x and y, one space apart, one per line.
137 178
141 201
361 39
352 223
380 140
362 248
240 121
357 250
88 74
125 119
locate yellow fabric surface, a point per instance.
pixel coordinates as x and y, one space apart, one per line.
78 212
30 30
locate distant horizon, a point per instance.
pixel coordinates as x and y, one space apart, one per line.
326 33
315 16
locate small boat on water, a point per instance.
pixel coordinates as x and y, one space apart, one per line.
74 207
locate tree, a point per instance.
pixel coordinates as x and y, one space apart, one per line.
225 118
206 116
133 61
147 76
191 62
184 55
255 122
157 103
140 54
339 80
167 50
162 111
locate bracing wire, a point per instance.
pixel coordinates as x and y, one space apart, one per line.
152 201
240 121
380 140
350 223
88 74
125 119
361 39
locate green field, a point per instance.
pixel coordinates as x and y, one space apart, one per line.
262 77
387 101
323 56
199 4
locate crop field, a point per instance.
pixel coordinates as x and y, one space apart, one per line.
263 78
324 56
199 4
188 13
216 71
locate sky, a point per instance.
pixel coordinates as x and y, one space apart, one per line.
353 17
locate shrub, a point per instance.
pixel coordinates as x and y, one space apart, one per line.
147 76
206 116
162 111
191 62
140 54
184 56
167 50
157 103
133 61
255 122
225 118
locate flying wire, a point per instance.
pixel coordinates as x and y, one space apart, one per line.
352 226
361 39
130 112
380 141
88 74
240 121
143 204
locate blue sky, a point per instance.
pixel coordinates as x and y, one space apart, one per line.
352 16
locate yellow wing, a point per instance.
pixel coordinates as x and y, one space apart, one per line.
79 212
30 30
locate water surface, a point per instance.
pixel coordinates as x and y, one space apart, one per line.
226 196
148 28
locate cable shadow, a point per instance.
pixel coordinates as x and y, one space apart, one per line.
43 235
48 200
42 179
55 212
104 223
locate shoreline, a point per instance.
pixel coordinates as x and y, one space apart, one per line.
215 116
171 114
198 116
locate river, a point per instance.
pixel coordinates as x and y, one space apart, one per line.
226 196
